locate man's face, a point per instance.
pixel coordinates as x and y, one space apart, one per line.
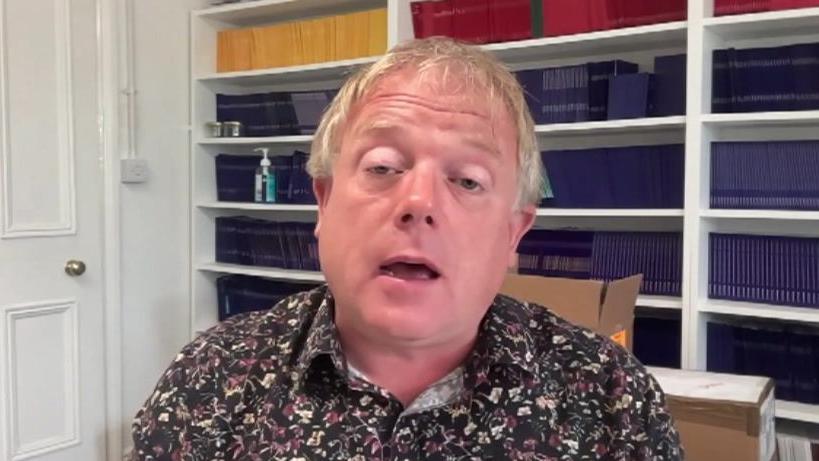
417 225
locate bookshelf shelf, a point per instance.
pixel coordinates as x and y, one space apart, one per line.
660 302
797 411
656 36
324 71
803 118
269 11
778 215
261 141
764 311
267 272
611 213
637 213
258 206
793 22
637 125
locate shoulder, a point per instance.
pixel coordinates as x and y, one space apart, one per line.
560 342
566 345
262 333
197 395
598 377
230 348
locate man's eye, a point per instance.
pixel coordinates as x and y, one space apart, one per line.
468 184
382 170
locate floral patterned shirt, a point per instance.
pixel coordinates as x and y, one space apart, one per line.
274 385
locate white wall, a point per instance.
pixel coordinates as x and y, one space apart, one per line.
154 215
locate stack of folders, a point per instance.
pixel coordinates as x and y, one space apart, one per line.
259 242
556 253
781 78
764 269
787 353
781 175
605 256
487 21
241 293
606 90
235 178
656 255
797 448
332 38
565 17
616 177
476 21
726 7
275 113
569 94
657 341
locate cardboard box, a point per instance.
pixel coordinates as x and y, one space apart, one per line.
720 416
606 308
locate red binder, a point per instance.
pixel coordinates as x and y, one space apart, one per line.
727 7
510 20
792 4
470 21
565 17
442 18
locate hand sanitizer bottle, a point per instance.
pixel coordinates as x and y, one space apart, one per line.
265 190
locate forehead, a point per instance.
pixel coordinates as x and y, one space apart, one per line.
441 95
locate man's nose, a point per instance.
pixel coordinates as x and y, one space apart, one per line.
419 200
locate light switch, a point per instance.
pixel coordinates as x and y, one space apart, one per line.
134 170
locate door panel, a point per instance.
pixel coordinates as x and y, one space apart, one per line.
52 375
37 110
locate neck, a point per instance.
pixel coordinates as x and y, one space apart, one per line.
404 370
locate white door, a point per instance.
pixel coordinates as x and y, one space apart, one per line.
52 382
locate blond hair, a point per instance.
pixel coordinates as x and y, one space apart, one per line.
471 64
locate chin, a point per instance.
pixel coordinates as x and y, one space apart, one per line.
404 319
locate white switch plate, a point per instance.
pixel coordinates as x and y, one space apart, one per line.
134 170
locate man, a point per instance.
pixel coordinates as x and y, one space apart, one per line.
427 174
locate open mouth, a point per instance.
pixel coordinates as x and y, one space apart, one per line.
409 270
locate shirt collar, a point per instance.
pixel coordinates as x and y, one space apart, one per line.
322 336
505 337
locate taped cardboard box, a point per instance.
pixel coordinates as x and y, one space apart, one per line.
606 308
720 416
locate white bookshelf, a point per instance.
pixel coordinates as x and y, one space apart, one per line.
629 126
274 207
611 213
800 21
657 36
261 141
271 273
762 311
270 11
773 215
796 411
322 71
660 302
808 118
698 37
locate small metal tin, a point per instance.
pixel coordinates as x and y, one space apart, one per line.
232 129
214 129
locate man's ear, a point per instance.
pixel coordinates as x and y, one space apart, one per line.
520 223
321 188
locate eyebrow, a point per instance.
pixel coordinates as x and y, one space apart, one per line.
390 129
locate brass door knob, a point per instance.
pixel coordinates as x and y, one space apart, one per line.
74 268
